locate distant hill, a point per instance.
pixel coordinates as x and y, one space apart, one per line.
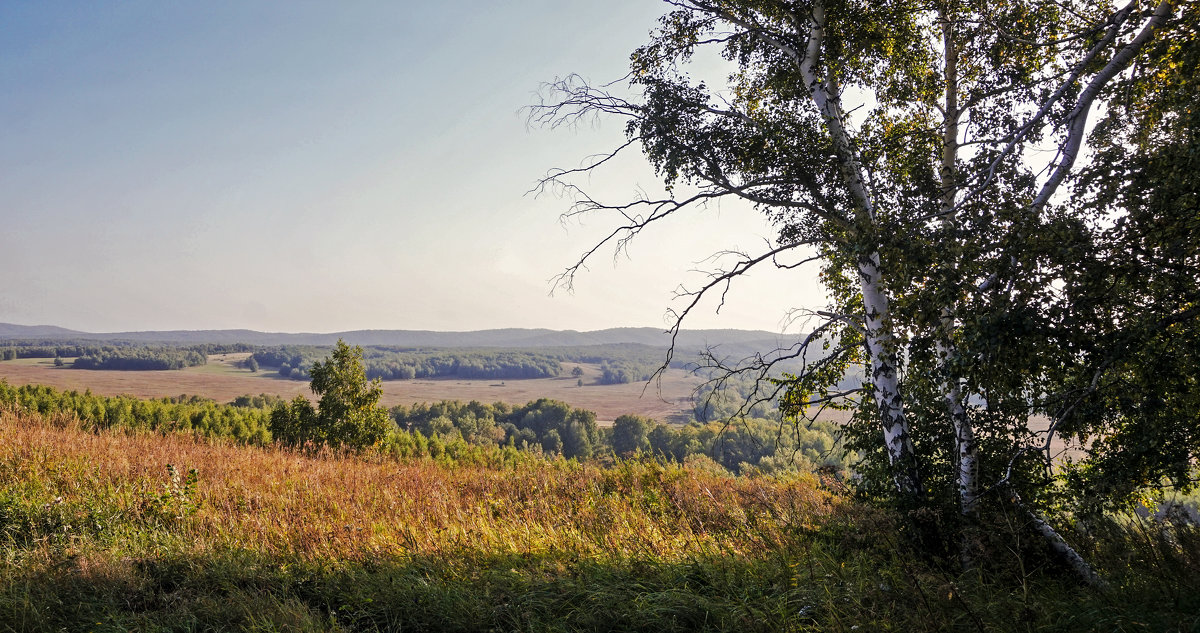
10 331
728 340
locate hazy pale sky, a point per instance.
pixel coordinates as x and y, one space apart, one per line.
326 166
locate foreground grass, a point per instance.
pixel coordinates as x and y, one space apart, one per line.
98 533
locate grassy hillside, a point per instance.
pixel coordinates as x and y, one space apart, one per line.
115 531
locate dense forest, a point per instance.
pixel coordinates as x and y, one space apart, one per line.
140 359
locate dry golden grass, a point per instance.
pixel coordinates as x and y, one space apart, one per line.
350 508
93 536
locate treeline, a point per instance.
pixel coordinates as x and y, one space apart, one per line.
392 363
546 425
748 445
140 359
554 427
118 354
180 414
619 363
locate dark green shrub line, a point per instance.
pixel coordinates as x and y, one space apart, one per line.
118 355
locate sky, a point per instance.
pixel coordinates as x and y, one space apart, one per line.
330 166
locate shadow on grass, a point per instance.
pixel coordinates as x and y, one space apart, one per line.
818 587
472 592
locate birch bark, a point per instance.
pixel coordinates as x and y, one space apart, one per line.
966 449
879 338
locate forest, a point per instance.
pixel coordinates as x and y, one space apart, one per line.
117 355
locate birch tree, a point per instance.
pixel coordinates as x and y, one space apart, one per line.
915 153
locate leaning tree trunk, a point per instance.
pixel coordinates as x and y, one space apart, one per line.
1069 150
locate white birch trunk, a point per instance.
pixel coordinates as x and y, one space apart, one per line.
1060 546
885 378
966 449
880 342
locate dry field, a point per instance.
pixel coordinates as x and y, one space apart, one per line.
343 507
223 381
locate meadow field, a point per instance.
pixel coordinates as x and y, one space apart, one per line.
117 530
223 380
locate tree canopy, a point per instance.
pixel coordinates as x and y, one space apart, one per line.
348 412
924 156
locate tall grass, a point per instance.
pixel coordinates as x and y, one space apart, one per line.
125 530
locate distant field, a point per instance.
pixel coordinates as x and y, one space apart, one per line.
222 380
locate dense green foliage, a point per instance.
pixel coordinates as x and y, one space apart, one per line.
261 401
183 414
140 359
348 413
748 445
544 425
1135 284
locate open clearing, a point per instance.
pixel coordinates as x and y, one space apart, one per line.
222 380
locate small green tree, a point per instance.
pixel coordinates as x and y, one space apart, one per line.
552 442
348 413
630 433
296 423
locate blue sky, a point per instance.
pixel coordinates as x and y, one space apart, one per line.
309 166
